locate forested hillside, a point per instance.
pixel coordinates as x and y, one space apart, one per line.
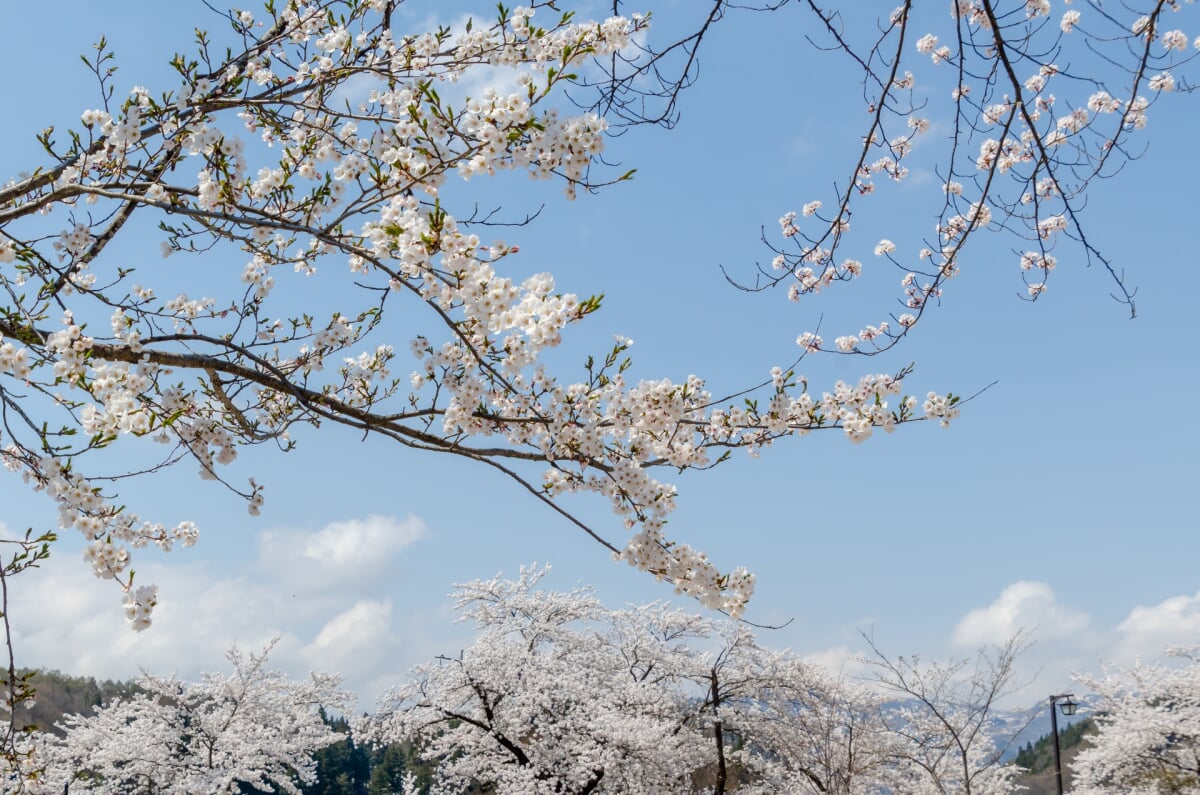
1038 757
59 694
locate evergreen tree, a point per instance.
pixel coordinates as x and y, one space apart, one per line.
388 773
343 768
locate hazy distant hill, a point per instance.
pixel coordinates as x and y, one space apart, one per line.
59 694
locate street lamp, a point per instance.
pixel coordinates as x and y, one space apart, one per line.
1068 708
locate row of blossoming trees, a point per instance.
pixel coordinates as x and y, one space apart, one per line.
559 694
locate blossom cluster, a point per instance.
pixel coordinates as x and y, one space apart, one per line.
1027 147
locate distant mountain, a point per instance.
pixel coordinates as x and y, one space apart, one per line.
1027 726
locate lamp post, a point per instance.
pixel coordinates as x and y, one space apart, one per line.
1068 708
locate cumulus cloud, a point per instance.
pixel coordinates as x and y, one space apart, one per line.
323 593
1024 605
356 552
1146 631
1065 639
361 643
355 628
357 542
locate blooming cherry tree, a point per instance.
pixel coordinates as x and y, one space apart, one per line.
1148 721
253 727
557 695
801 729
561 695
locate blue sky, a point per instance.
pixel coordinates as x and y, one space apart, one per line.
1061 500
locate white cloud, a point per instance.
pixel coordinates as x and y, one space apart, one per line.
358 553
841 662
1064 640
1146 631
325 594
1024 605
357 627
360 643
357 542
64 618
